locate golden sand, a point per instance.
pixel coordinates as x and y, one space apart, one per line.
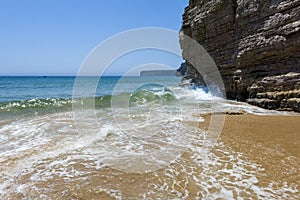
276 132
271 141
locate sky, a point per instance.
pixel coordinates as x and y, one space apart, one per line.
53 37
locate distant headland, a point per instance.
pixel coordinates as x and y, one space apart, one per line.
158 73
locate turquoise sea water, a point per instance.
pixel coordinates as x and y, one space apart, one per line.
40 95
14 88
25 88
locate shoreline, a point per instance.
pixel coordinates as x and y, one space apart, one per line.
251 160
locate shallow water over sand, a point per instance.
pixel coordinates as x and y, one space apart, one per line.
56 165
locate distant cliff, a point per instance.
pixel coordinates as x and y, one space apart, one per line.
158 73
255 44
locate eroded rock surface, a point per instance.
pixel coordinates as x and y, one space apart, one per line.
249 40
277 92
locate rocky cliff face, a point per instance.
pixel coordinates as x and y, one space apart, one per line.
250 40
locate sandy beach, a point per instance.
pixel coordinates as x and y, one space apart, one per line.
276 132
256 157
270 141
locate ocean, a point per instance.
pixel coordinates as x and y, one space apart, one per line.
129 138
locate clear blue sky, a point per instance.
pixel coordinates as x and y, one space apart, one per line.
53 37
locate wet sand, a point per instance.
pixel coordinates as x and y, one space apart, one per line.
257 157
276 132
270 141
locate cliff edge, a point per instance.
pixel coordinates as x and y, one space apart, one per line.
255 44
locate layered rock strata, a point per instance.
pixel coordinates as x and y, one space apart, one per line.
278 92
249 40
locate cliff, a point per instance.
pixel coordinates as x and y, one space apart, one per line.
255 45
158 73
